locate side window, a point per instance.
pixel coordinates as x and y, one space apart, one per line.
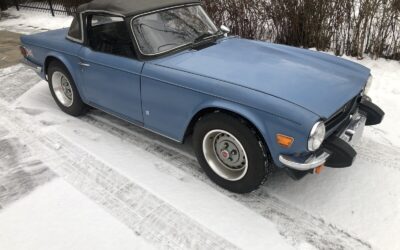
109 34
75 31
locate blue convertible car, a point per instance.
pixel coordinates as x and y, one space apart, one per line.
249 106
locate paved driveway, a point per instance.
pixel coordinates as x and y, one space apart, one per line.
9 48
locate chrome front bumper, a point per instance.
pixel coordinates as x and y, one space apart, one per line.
310 163
355 129
352 135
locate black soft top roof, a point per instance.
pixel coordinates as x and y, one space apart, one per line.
131 7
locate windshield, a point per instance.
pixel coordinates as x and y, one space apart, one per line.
169 29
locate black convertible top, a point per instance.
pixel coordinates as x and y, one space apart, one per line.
131 7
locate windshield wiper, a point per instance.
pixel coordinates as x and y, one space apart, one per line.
204 36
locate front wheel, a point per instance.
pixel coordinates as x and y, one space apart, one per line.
231 153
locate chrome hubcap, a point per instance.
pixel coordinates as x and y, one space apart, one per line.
225 155
62 89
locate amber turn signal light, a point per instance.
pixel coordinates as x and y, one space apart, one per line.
319 169
284 140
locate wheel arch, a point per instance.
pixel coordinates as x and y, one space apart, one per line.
47 62
58 57
251 120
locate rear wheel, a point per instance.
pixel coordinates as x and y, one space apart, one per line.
64 91
231 153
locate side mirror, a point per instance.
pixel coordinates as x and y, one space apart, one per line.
225 29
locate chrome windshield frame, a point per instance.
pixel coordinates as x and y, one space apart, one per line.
161 10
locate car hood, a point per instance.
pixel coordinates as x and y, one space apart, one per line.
316 81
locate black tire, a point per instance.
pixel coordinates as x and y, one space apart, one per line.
259 164
78 108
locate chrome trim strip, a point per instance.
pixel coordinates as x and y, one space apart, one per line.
82 32
168 8
312 133
311 163
160 134
74 39
103 11
81 23
134 123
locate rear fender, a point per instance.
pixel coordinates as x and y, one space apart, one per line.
72 65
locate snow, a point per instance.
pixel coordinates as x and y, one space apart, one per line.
56 216
28 21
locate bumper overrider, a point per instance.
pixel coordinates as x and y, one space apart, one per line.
337 150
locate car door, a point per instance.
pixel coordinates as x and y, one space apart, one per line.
110 72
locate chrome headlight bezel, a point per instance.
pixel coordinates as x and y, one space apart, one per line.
317 136
368 86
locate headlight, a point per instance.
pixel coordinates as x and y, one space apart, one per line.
368 86
317 136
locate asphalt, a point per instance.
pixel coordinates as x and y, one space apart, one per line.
9 49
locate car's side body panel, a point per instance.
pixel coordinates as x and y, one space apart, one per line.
112 83
171 99
107 71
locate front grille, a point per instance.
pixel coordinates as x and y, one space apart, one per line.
342 114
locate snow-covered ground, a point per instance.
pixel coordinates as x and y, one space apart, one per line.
28 22
140 190
56 216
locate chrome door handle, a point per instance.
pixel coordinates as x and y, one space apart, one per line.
84 64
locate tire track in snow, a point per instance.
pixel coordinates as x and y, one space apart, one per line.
20 172
293 223
379 154
145 214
